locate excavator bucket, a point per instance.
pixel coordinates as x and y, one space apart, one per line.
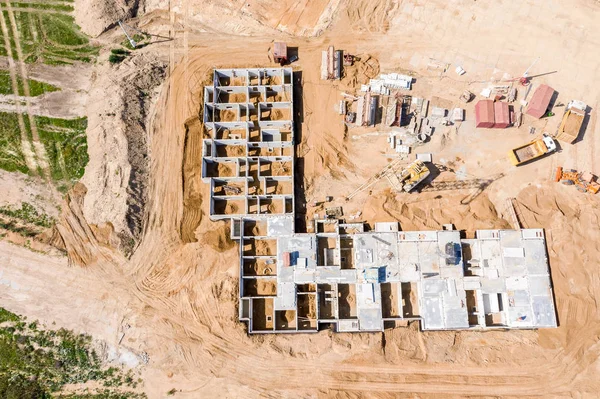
558 175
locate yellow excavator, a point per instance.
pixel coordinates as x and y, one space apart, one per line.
409 177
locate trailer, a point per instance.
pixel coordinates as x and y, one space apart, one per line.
571 123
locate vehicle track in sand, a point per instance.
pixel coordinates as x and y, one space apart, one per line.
38 146
26 147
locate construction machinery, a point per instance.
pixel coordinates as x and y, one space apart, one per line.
406 180
570 126
349 59
525 79
533 150
584 182
410 177
131 41
386 171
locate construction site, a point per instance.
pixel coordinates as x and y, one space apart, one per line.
342 276
400 195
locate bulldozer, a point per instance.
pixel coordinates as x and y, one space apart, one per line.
584 182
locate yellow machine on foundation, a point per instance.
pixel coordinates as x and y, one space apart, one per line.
410 176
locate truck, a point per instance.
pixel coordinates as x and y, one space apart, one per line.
571 123
533 150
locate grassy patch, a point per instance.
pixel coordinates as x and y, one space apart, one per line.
42 6
66 147
52 38
36 88
138 39
28 213
62 29
5 315
64 140
53 359
117 55
115 58
11 154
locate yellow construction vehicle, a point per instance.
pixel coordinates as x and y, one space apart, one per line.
569 128
410 176
532 150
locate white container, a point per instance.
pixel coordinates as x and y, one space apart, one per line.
458 115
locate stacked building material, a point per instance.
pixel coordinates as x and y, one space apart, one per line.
390 81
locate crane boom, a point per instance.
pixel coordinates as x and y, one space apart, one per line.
131 41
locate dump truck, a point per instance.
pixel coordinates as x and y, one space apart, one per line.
410 177
571 123
585 182
530 151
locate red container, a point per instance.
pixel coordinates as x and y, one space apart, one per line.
540 101
501 115
484 114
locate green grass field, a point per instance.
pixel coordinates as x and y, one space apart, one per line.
66 147
51 38
11 155
45 33
64 141
36 88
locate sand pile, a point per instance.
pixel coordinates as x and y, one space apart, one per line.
96 16
192 180
117 173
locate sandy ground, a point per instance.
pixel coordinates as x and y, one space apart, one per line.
180 299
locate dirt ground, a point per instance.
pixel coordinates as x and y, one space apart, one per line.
178 292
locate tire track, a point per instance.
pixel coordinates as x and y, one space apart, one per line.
38 146
28 152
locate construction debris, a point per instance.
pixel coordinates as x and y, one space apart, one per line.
334 212
342 107
512 95
349 59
